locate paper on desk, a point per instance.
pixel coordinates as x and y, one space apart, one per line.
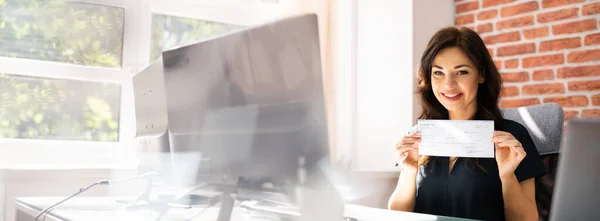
461 138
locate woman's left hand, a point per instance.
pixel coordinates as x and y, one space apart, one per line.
509 153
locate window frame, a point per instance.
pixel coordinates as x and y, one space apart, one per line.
137 28
34 153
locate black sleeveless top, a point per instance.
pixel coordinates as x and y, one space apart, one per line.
468 191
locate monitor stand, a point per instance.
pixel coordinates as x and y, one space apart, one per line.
163 205
224 195
143 200
227 203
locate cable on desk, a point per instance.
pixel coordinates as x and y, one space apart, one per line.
46 211
50 208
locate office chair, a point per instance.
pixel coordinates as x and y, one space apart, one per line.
544 122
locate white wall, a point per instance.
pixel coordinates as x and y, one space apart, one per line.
383 82
391 37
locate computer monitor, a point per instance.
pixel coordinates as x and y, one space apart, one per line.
245 109
576 192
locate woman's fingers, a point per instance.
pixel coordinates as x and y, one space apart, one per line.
404 148
410 141
510 143
413 135
500 138
498 133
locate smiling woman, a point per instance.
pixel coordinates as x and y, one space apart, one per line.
455 86
459 81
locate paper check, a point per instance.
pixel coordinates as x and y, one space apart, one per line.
461 138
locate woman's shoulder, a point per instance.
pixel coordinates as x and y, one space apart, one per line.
513 127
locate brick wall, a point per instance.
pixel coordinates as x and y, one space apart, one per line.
546 50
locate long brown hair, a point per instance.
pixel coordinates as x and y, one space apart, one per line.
488 92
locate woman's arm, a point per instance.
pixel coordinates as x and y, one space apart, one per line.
519 198
403 198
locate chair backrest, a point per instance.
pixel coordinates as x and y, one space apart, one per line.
544 122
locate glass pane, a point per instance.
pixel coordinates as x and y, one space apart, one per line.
169 32
52 30
43 108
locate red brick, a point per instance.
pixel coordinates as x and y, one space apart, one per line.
519 9
596 100
583 56
465 19
592 39
550 88
569 101
515 76
536 32
467 7
581 71
557 15
519 49
591 9
543 60
555 3
485 15
498 64
559 44
490 3
509 91
518 102
574 27
542 75
491 51
512 63
515 22
485 28
506 37
571 114
590 113
584 85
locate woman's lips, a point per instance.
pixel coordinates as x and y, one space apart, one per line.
453 96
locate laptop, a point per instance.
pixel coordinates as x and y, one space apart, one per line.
577 186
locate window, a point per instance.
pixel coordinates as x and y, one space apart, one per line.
52 108
75 33
66 68
58 109
171 31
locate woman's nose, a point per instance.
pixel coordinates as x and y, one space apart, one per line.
449 81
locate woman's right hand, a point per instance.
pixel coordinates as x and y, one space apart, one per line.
407 152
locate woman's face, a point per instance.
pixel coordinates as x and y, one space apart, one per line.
454 80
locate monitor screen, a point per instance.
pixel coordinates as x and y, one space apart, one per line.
248 105
243 110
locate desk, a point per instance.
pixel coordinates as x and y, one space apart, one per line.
107 208
376 214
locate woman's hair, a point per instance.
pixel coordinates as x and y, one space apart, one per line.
488 92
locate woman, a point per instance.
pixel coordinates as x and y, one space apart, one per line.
458 80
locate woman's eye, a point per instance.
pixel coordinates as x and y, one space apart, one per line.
438 73
462 72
